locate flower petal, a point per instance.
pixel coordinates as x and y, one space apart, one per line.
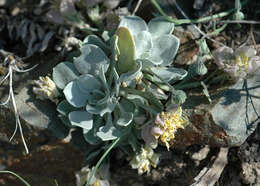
254 64
148 137
246 50
223 54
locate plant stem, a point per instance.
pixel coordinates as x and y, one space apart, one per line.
188 85
19 177
200 20
101 159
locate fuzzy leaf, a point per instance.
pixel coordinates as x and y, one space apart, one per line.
134 23
64 73
87 83
95 40
97 97
125 118
108 132
139 101
168 74
91 60
129 76
127 105
146 63
164 49
102 109
90 135
74 95
81 119
143 44
160 26
126 45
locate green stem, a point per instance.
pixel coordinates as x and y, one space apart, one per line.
19 177
211 75
165 82
101 159
218 30
187 78
200 20
198 84
188 85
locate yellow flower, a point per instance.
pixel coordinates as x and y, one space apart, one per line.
242 61
169 123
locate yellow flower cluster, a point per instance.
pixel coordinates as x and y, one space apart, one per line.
144 160
46 89
171 122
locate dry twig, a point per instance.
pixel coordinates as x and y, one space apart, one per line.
209 176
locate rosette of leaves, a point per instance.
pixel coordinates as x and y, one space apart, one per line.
112 89
155 46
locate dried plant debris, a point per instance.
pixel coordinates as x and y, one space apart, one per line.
209 176
12 63
35 37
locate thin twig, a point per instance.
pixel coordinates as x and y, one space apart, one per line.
252 37
200 20
200 31
240 21
137 6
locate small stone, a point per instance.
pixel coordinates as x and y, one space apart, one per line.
198 4
201 155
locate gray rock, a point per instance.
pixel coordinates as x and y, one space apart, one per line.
228 121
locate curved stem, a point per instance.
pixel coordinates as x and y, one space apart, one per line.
200 20
19 177
101 159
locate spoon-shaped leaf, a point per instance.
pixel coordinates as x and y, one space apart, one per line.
125 117
64 73
91 60
74 95
81 119
126 45
108 132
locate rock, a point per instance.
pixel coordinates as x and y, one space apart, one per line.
201 155
249 156
228 121
36 116
251 173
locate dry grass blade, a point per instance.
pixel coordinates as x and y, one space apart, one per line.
12 67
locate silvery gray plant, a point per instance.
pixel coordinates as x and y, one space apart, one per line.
113 89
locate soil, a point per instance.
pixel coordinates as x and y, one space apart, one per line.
55 159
